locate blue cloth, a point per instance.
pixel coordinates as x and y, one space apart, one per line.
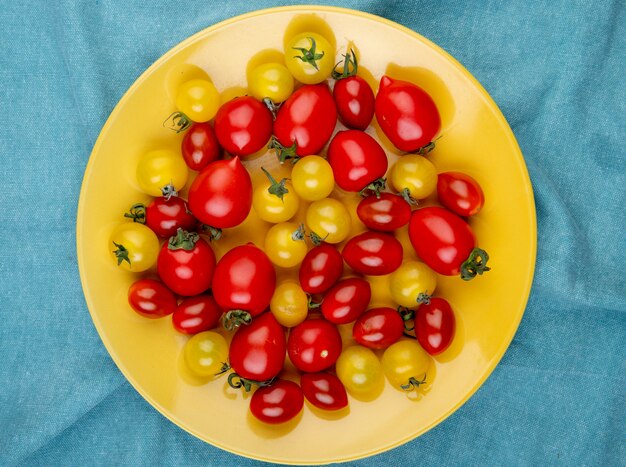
557 71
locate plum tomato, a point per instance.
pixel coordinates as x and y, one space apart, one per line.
353 95
151 299
243 126
278 403
378 328
460 193
346 300
435 325
324 390
200 147
386 212
321 268
373 253
196 314
314 345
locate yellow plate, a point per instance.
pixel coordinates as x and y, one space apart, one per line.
476 140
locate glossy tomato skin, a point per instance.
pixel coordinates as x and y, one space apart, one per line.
314 345
165 216
356 159
407 114
386 213
244 279
373 253
460 193
243 126
200 146
355 102
196 314
441 239
378 328
257 350
221 195
307 118
324 391
151 299
435 325
278 403
321 268
346 301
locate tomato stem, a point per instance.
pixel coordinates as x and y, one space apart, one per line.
235 381
276 188
213 232
178 122
475 265
375 187
407 315
224 369
283 152
271 106
423 298
309 55
316 239
406 195
168 191
312 304
137 213
413 383
121 253
350 60
235 318
183 240
299 234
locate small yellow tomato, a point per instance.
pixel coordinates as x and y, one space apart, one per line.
161 169
283 247
406 364
359 370
134 246
289 304
312 178
329 220
411 281
271 80
310 58
416 174
198 100
275 201
206 353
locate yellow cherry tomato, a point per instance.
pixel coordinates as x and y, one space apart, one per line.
289 304
282 247
329 220
275 201
206 353
271 80
310 58
198 100
312 178
416 174
406 364
411 281
134 246
359 370
159 170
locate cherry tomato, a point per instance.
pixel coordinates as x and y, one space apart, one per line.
446 243
406 364
244 279
321 268
196 314
357 160
386 212
353 96
200 146
407 114
272 81
324 390
205 353
161 172
134 246
283 245
373 253
329 220
163 216
289 304
198 100
221 196
312 178
275 201
414 176
310 58
307 119
243 126
412 283
346 301
314 345
435 325
360 371
151 298
460 193
186 263
257 351
278 403
378 328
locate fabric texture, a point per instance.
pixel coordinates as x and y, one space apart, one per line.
556 69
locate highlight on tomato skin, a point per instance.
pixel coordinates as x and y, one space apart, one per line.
277 403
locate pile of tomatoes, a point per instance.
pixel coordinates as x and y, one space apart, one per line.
241 321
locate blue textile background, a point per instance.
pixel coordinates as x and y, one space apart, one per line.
557 71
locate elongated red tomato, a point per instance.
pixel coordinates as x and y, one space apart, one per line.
446 243
257 351
435 325
314 345
196 314
151 299
163 216
321 268
407 114
243 126
386 212
355 102
373 253
200 146
460 193
357 160
347 300
378 328
278 403
221 195
324 390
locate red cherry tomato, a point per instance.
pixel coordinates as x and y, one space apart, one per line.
163 216
407 114
307 119
243 126
386 212
186 263
378 328
373 253
446 243
321 268
435 325
278 403
356 159
314 345
324 390
196 314
200 146
347 300
221 196
244 279
353 96
151 299
257 351
460 193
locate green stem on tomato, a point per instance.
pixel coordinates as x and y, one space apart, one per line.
121 253
276 188
137 213
183 240
178 122
413 383
375 187
283 152
350 66
309 55
235 318
475 265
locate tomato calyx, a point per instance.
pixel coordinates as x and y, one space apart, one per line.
235 318
423 298
475 265
413 383
407 315
183 240
406 195
375 187
309 55
312 304
177 122
284 153
271 106
121 253
276 188
213 232
137 213
235 381
299 234
168 191
350 66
